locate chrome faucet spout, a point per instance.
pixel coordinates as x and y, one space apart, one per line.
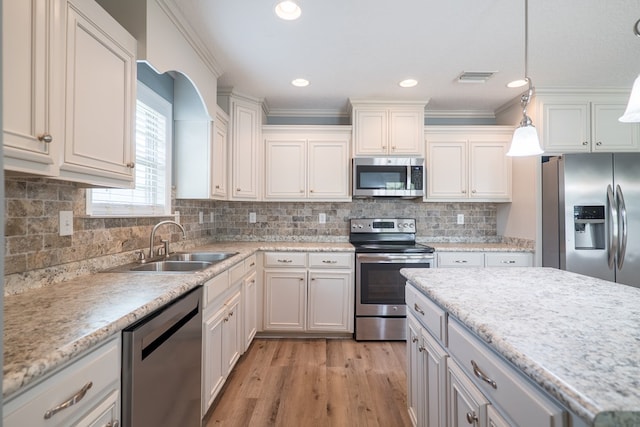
153 234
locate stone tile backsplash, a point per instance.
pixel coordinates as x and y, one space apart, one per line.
32 207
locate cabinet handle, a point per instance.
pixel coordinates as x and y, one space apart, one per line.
472 418
46 138
599 143
237 189
286 261
230 313
70 402
417 308
414 339
329 261
460 261
482 375
421 348
226 319
131 165
508 261
252 264
585 143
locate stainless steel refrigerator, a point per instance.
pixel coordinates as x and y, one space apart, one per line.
591 215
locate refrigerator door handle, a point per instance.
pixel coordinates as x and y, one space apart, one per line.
622 224
612 225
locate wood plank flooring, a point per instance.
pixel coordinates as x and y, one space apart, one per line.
315 382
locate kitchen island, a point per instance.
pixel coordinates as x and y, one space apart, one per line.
576 337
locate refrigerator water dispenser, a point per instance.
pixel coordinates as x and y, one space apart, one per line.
589 226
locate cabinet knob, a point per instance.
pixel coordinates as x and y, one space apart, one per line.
393 147
218 187
384 147
131 165
45 138
585 143
414 339
464 191
238 189
421 348
473 191
599 143
310 191
472 418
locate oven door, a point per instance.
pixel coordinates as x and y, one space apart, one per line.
379 284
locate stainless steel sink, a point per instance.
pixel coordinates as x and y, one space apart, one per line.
211 257
177 266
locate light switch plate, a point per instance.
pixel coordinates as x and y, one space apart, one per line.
322 218
252 217
200 217
460 219
66 223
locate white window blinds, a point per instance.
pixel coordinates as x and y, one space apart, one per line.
152 193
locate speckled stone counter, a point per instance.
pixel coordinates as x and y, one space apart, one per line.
575 336
48 326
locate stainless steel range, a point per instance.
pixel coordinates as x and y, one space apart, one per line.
383 247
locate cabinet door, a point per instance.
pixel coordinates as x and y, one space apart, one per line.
466 405
406 132
489 170
285 296
330 301
434 371
219 158
106 414
494 419
245 149
250 309
415 377
371 132
212 358
232 334
609 134
447 169
285 163
100 98
31 86
328 170
566 127
460 259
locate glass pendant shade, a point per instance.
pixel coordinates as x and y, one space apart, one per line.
525 142
632 113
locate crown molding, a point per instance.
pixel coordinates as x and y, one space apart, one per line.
459 114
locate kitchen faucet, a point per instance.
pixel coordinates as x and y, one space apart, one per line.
166 242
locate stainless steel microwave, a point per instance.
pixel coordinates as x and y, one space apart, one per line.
388 177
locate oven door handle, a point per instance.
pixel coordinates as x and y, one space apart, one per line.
393 258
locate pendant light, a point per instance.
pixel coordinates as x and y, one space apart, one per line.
632 113
525 140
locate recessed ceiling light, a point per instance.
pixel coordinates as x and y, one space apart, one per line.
518 83
408 83
300 82
288 10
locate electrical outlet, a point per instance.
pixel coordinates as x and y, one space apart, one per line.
201 218
176 216
252 217
322 218
66 223
460 219
211 217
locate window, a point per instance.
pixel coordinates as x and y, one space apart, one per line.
152 193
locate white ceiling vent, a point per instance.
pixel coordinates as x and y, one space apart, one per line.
475 76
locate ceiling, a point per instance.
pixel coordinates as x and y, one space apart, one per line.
361 49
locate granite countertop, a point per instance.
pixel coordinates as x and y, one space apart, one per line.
577 337
48 326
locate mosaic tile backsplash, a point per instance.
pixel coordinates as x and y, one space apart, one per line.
32 207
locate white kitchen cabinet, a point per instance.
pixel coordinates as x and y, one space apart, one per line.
484 259
245 121
468 163
100 87
381 129
466 405
70 79
494 419
92 379
32 51
219 156
232 337
213 366
250 308
307 163
319 298
584 123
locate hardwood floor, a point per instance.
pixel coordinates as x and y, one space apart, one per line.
315 382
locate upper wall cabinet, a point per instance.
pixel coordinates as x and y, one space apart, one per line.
307 162
245 122
32 86
574 123
69 77
383 129
468 163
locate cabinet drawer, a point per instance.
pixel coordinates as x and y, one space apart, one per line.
508 259
215 287
236 273
461 259
429 314
250 264
331 259
285 259
504 386
100 368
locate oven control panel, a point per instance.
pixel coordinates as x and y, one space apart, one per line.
381 225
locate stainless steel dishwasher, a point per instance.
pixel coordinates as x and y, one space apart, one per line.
161 366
